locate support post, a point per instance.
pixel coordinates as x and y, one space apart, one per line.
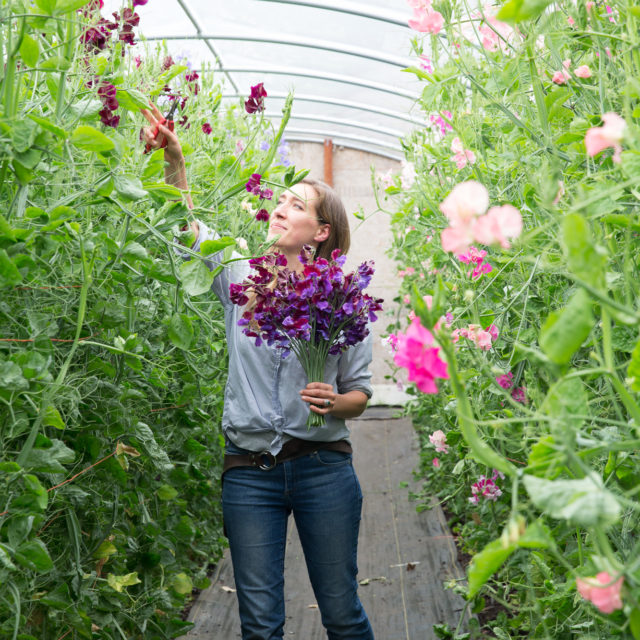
328 161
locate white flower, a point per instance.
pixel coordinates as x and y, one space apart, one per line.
241 243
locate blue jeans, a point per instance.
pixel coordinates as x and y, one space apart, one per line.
322 491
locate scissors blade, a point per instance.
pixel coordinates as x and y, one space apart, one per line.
174 106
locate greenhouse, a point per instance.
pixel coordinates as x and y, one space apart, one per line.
319 319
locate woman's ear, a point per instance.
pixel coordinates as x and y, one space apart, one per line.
322 233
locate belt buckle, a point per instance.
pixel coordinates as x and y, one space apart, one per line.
271 461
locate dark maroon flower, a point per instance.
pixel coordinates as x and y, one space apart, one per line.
107 93
137 3
255 102
262 215
191 79
206 128
138 61
108 119
167 63
253 186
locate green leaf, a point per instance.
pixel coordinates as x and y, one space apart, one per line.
565 400
23 134
135 250
485 563
583 502
105 550
195 277
55 63
86 137
120 582
46 6
633 372
132 99
166 492
634 617
9 274
180 331
146 438
584 258
211 247
129 187
58 598
88 109
519 10
49 126
5 558
181 583
34 556
52 418
6 230
29 50
65 6
50 460
162 190
564 331
11 377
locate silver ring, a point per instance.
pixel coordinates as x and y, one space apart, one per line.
327 402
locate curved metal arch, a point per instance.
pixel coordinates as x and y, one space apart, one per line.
357 147
319 75
336 136
310 43
345 123
350 8
187 10
359 106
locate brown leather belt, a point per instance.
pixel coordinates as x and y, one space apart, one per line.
294 448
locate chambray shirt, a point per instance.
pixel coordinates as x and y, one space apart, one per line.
262 404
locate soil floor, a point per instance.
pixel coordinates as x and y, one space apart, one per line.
405 558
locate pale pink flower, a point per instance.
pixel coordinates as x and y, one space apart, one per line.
485 488
493 332
456 239
439 440
390 342
483 340
406 299
466 201
439 121
610 134
428 300
566 63
603 590
406 272
495 34
498 225
583 71
426 21
560 77
609 11
420 5
571 21
462 156
590 5
386 179
436 463
417 353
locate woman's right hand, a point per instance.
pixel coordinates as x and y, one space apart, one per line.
173 150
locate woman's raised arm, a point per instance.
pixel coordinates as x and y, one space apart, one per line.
175 172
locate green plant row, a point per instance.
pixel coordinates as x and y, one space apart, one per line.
531 440
112 350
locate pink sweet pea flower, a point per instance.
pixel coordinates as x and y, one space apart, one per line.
436 463
583 71
499 224
481 269
495 34
417 353
426 64
610 134
602 590
520 395
560 77
456 239
426 20
462 156
505 380
466 201
590 5
439 440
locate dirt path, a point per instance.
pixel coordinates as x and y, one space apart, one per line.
404 557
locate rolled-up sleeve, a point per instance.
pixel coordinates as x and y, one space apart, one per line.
353 368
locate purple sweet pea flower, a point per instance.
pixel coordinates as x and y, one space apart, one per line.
206 128
255 102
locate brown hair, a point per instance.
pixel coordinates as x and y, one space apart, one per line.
330 210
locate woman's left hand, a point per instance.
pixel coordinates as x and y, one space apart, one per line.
320 396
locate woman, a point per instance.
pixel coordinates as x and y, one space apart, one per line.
274 465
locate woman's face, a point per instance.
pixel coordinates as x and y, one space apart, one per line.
295 220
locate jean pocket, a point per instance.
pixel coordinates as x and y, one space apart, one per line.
332 458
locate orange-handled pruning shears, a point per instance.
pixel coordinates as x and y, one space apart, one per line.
165 121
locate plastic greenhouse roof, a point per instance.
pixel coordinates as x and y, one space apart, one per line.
343 60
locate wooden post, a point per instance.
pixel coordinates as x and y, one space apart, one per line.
328 161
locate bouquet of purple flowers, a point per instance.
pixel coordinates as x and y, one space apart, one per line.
314 312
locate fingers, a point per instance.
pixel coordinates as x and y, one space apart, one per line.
156 111
150 119
320 396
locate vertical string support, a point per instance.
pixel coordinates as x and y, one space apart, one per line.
328 161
